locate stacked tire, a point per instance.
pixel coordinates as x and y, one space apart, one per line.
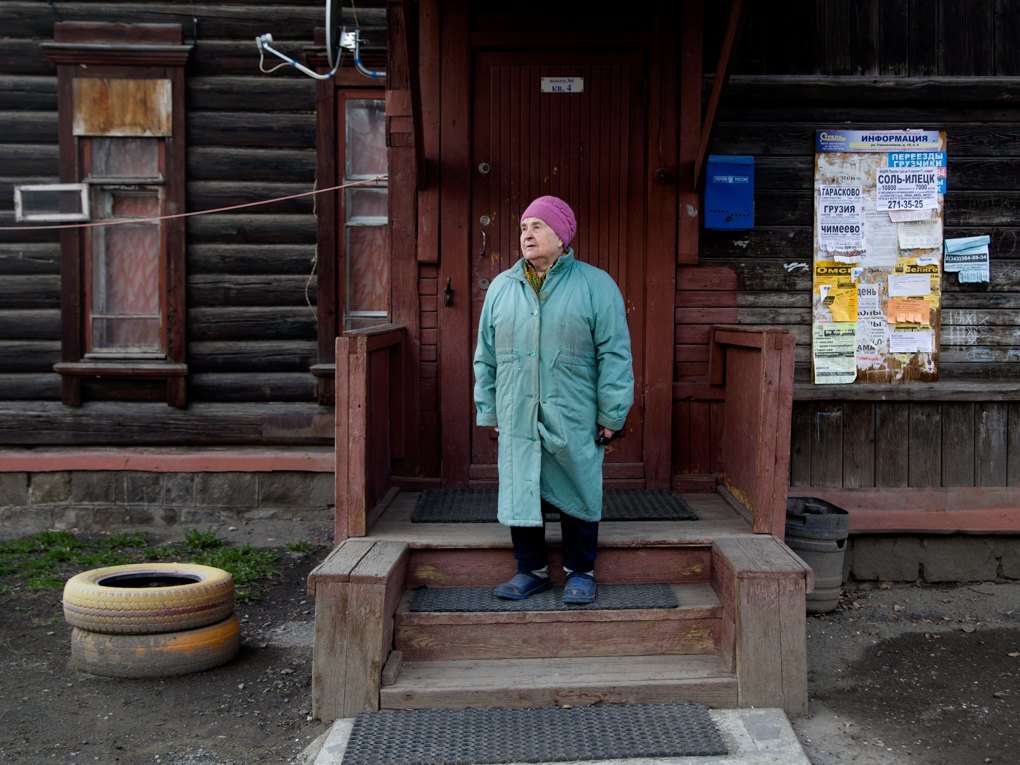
151 619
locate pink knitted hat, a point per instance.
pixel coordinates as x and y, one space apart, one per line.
556 214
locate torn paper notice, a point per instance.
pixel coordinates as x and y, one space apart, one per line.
869 305
968 256
907 285
899 216
880 239
908 310
872 343
840 219
920 234
833 352
908 340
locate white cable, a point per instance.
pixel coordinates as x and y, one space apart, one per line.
263 44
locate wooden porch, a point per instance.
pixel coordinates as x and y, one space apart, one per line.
736 638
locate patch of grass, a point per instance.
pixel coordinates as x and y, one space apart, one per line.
46 560
300 547
247 565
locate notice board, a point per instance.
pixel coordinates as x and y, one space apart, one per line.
877 284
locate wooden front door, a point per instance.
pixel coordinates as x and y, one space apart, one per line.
570 124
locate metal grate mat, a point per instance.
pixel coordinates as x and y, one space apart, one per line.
548 734
479 506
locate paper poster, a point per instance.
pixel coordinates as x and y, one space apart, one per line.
907 285
911 340
968 258
872 343
920 234
878 255
906 189
908 310
836 290
834 353
840 219
881 240
869 305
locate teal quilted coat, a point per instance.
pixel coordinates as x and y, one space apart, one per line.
550 368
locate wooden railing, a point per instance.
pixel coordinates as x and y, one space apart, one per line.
755 368
369 423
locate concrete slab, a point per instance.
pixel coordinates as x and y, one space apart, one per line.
753 736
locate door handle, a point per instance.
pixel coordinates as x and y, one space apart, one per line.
448 292
485 244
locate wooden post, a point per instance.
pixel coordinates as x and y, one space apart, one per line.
762 585
356 590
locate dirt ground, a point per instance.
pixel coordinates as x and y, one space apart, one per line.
898 674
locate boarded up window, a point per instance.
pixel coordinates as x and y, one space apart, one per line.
122 107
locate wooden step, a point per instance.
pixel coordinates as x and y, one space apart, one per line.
545 682
691 628
487 567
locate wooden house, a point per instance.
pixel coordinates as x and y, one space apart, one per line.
260 353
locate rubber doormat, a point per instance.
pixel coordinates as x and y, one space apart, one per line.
611 597
479 506
548 734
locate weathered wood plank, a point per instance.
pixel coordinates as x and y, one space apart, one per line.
1013 445
990 441
924 444
558 639
827 445
32 324
891 429
251 355
246 260
958 444
548 682
48 423
329 657
252 129
29 356
255 229
858 444
338 565
26 259
252 387
214 195
30 387
215 163
244 323
252 291
271 94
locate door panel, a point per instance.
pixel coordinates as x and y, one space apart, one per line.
587 147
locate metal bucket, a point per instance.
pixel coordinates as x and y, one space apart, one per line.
817 531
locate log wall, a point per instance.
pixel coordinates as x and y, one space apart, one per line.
946 65
251 281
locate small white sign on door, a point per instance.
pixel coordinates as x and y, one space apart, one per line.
563 84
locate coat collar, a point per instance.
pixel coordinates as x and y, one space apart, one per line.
564 262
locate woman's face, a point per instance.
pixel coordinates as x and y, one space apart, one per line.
539 243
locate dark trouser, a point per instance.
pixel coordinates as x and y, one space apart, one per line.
580 543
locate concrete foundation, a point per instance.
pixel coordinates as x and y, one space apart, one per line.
96 501
932 558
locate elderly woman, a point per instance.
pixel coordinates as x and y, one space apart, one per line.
553 375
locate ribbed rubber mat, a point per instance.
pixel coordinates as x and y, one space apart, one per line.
479 506
611 597
548 734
